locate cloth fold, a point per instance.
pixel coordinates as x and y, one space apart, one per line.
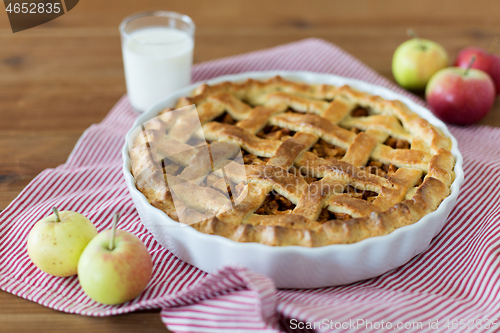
456 278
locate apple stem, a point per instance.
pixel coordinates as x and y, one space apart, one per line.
56 213
470 65
413 34
493 45
113 231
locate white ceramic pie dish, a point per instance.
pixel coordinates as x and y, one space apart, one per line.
295 266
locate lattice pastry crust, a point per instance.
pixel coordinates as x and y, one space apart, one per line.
324 164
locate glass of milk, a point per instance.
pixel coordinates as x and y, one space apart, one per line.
157 50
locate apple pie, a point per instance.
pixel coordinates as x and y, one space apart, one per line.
287 163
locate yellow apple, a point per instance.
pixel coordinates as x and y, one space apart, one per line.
115 267
56 242
416 61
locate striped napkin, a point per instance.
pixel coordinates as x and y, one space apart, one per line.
454 284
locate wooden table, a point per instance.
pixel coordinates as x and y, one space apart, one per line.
59 78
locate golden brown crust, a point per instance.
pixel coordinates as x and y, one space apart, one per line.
366 129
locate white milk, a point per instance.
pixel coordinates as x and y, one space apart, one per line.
157 62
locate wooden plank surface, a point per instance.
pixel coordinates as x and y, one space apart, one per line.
59 78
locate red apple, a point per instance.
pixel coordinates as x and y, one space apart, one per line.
460 96
485 61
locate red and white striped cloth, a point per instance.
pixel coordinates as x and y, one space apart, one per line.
455 279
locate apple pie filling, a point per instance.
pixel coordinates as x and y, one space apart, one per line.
360 112
327 215
276 204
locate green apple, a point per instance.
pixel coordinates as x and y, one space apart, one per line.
416 61
115 267
56 242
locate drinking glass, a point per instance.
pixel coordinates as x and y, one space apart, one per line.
157 49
